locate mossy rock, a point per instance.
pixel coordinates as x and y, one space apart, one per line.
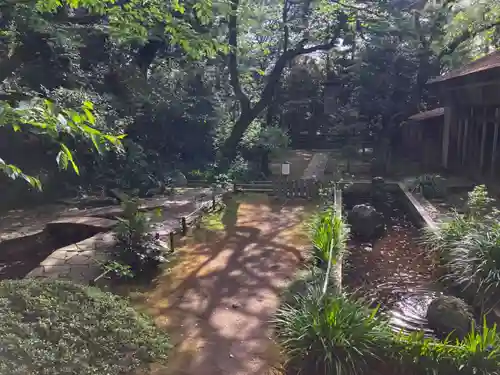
449 315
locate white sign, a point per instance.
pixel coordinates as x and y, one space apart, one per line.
285 169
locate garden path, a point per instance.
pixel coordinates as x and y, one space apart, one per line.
218 298
316 168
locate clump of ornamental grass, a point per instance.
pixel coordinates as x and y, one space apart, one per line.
330 333
474 262
329 233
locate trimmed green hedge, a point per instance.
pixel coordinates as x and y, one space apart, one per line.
57 327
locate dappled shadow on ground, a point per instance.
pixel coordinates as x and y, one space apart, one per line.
218 298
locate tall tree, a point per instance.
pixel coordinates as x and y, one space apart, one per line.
321 25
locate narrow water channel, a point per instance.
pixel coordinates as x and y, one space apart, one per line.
392 271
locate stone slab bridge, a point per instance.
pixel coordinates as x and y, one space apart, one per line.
89 228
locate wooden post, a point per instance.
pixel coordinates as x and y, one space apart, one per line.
213 201
459 136
495 141
483 141
446 136
464 145
171 240
183 226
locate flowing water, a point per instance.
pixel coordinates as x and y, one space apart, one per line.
393 271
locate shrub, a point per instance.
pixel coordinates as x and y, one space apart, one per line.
330 334
56 327
430 186
137 247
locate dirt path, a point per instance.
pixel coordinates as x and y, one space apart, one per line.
218 299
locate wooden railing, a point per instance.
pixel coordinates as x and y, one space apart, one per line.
304 188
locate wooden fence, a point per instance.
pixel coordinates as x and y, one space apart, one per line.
303 188
308 189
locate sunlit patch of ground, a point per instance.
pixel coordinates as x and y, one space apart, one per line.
219 294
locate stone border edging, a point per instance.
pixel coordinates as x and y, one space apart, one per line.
418 211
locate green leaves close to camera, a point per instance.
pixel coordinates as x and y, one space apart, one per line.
44 119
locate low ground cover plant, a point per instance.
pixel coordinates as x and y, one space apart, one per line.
57 327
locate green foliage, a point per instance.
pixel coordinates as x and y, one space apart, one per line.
469 247
56 327
137 19
136 246
471 30
474 262
477 353
333 334
329 233
430 186
119 269
336 334
479 203
448 234
45 119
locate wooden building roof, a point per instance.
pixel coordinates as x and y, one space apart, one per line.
487 62
433 113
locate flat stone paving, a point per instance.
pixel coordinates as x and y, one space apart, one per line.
25 222
80 262
316 168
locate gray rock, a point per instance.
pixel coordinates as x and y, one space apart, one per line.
378 182
450 315
365 221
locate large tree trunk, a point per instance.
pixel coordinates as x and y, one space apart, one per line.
249 111
230 147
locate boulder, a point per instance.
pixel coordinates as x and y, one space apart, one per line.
450 315
378 182
365 221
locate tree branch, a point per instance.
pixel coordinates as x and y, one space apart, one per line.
465 36
275 75
320 47
234 76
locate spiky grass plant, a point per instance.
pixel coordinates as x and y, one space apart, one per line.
475 262
329 231
448 234
330 334
480 215
478 353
